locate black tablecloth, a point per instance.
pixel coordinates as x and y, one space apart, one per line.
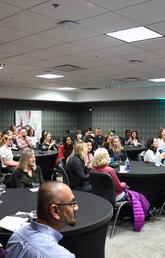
147 179
133 152
92 220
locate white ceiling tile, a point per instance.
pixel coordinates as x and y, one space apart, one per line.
14 49
146 13
68 35
151 44
42 55
98 42
66 49
158 27
107 23
23 3
114 4
37 42
8 34
7 10
28 21
122 50
69 10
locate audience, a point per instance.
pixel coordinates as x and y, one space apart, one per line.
8 164
32 137
49 143
98 138
56 207
75 166
27 171
65 149
23 141
89 157
134 139
161 139
152 148
44 134
100 164
117 152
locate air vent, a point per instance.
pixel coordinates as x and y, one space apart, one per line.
66 68
90 88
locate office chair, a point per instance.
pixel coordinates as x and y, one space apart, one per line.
163 205
102 185
60 168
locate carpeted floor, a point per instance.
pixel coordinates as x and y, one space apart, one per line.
148 243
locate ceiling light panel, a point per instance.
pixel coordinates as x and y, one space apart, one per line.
134 34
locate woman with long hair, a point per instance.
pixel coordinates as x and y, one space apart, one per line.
65 149
75 167
152 149
27 171
117 152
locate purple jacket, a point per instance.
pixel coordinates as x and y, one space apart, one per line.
140 207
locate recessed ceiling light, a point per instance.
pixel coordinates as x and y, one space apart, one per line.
49 76
134 34
66 88
157 80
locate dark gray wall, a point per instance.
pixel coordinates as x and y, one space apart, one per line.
144 116
147 117
56 117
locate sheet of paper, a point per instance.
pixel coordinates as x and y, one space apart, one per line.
35 189
12 222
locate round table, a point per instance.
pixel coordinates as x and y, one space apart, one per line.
147 179
133 152
92 218
45 159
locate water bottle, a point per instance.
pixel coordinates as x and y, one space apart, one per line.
158 159
127 165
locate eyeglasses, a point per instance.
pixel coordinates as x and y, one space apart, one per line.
74 203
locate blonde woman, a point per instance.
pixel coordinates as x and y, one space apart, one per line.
75 166
27 171
117 152
100 164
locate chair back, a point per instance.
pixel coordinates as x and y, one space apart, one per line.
64 173
102 185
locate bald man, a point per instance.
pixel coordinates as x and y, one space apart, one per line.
56 208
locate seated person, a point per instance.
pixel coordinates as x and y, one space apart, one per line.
152 149
44 134
56 207
49 143
23 141
117 152
65 149
14 145
27 171
161 139
100 164
32 137
98 138
107 142
126 136
8 164
89 157
75 167
134 139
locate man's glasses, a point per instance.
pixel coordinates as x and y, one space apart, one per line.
74 203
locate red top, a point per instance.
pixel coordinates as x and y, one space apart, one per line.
119 186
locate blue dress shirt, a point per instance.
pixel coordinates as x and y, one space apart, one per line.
35 240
